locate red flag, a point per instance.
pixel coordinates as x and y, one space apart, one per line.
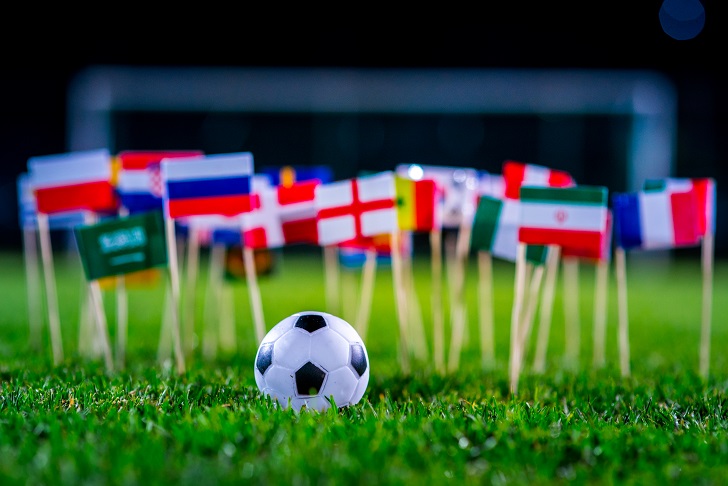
517 174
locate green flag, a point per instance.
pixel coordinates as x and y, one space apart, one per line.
122 245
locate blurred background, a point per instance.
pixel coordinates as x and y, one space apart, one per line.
613 92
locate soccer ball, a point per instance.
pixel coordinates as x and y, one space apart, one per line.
309 357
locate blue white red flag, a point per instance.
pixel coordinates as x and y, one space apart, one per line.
289 174
209 184
705 197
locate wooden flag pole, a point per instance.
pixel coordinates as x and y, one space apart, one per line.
331 273
164 350
174 286
400 297
438 325
707 264
600 312
462 247
212 302
54 322
122 314
102 330
621 273
87 344
485 314
572 321
415 324
191 267
518 297
32 286
227 336
349 289
546 311
527 319
366 293
254 293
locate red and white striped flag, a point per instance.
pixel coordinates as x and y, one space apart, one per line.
356 208
286 215
73 181
519 174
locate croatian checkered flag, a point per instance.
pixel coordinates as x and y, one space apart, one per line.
356 208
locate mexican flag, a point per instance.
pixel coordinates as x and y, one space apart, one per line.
574 218
495 229
119 246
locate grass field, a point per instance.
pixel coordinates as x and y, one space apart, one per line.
145 424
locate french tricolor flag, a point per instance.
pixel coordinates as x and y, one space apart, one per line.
654 220
73 181
209 184
705 196
139 182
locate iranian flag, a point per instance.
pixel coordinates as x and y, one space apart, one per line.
417 204
519 174
286 215
495 230
574 218
356 208
73 181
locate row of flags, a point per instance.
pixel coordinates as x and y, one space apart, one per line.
138 196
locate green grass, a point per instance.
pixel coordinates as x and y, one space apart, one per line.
78 424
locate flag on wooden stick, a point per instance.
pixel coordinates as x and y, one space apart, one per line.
519 174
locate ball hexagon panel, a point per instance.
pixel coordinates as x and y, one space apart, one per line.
292 349
329 349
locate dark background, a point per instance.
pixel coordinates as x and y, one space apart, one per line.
42 56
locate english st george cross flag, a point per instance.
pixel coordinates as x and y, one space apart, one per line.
209 184
574 218
356 208
519 174
286 215
73 181
654 220
139 183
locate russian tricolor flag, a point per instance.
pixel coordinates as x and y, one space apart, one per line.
653 220
210 184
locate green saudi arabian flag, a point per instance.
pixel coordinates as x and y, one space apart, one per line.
122 245
495 229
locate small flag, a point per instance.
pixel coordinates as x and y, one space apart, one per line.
122 245
352 254
416 204
652 220
28 215
574 218
492 185
457 186
606 251
705 194
286 215
73 181
139 183
289 174
210 184
519 174
495 229
356 208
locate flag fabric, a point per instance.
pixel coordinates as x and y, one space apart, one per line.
355 208
289 174
285 215
653 220
209 184
573 218
457 186
416 204
73 181
606 251
705 194
519 174
28 214
117 246
139 181
495 229
492 185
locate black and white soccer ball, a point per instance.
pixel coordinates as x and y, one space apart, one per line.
309 357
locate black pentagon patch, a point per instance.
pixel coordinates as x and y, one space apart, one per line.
310 322
309 379
265 358
358 359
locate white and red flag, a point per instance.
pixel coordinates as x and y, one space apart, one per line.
73 181
286 215
519 174
356 208
574 218
705 197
